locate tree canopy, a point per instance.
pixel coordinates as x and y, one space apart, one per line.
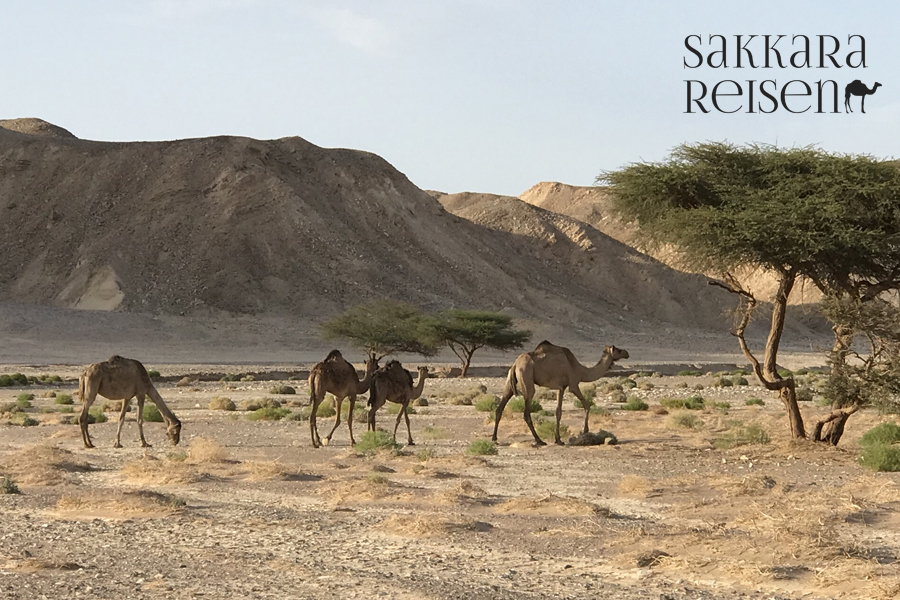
384 327
466 331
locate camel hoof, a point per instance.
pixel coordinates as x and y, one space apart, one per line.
146 445
410 443
560 443
538 443
117 445
327 442
88 445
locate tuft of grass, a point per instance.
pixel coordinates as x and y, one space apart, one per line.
713 405
689 373
546 429
394 409
683 419
97 414
785 373
577 403
63 399
742 435
739 380
517 405
692 403
23 419
635 403
8 486
372 441
881 457
754 402
721 382
425 454
270 414
24 400
282 389
885 433
435 433
153 373
221 403
152 414
481 448
486 403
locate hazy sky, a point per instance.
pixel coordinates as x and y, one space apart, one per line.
481 95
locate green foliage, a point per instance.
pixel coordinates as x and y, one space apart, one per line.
517 404
577 403
635 403
8 486
785 373
372 441
804 394
709 404
23 419
24 400
739 380
692 403
384 327
683 420
742 435
394 409
754 402
269 414
153 374
13 380
689 373
699 386
63 399
885 433
326 407
152 414
481 448
96 413
546 429
425 454
466 331
486 403
257 403
881 457
282 389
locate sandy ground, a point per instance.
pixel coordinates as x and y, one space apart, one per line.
246 509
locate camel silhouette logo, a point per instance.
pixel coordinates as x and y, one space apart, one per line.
858 88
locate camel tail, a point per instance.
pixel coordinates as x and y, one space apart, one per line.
511 382
81 387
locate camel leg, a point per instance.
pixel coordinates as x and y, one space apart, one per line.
88 394
397 424
124 410
559 401
587 407
405 412
863 104
313 428
498 412
537 440
350 418
337 419
140 420
847 103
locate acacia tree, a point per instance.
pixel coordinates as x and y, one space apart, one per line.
383 327
800 212
466 331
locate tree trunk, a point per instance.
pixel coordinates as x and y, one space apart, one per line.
831 428
789 398
788 393
465 365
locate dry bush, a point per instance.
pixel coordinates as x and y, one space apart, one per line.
464 491
429 525
265 470
153 471
551 505
635 485
204 451
221 403
42 465
142 503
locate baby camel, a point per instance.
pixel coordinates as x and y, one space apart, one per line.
336 376
122 379
395 384
556 368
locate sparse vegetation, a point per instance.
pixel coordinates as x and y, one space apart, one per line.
481 447
635 403
546 429
270 414
689 373
282 389
63 399
251 405
13 380
884 434
721 382
486 403
394 409
683 419
152 414
153 373
435 433
96 413
742 435
517 405
373 441
754 402
23 419
692 403
221 403
8 486
881 457
739 380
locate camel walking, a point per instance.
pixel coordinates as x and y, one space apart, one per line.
393 383
122 379
556 368
336 376
858 88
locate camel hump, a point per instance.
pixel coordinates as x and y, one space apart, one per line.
856 82
116 358
334 354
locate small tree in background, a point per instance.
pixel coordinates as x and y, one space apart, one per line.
384 327
466 331
800 212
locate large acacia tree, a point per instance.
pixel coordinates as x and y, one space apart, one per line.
384 327
466 331
798 212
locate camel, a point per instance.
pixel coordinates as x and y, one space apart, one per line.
858 88
336 376
395 384
122 379
556 368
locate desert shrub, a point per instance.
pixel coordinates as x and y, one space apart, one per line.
23 401
627 383
683 420
63 399
481 448
153 373
739 380
517 404
486 403
754 402
635 403
742 435
47 410
65 409
14 379
97 414
257 403
152 414
546 429
231 377
425 454
184 382
682 385
646 386
804 394
599 411
435 433
270 414
373 441
692 403
23 419
326 408
885 433
24 397
420 401
881 457
610 387
394 409
8 486
738 372
577 403
721 382
461 400
617 396
221 403
699 387
9 407
689 373
282 389
588 390
709 404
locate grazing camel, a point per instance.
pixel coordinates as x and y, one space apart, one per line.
122 379
858 88
336 376
395 384
556 368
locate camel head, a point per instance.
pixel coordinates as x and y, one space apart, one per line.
423 371
372 364
615 353
174 432
874 87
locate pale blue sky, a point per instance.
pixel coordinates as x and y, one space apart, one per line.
482 95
